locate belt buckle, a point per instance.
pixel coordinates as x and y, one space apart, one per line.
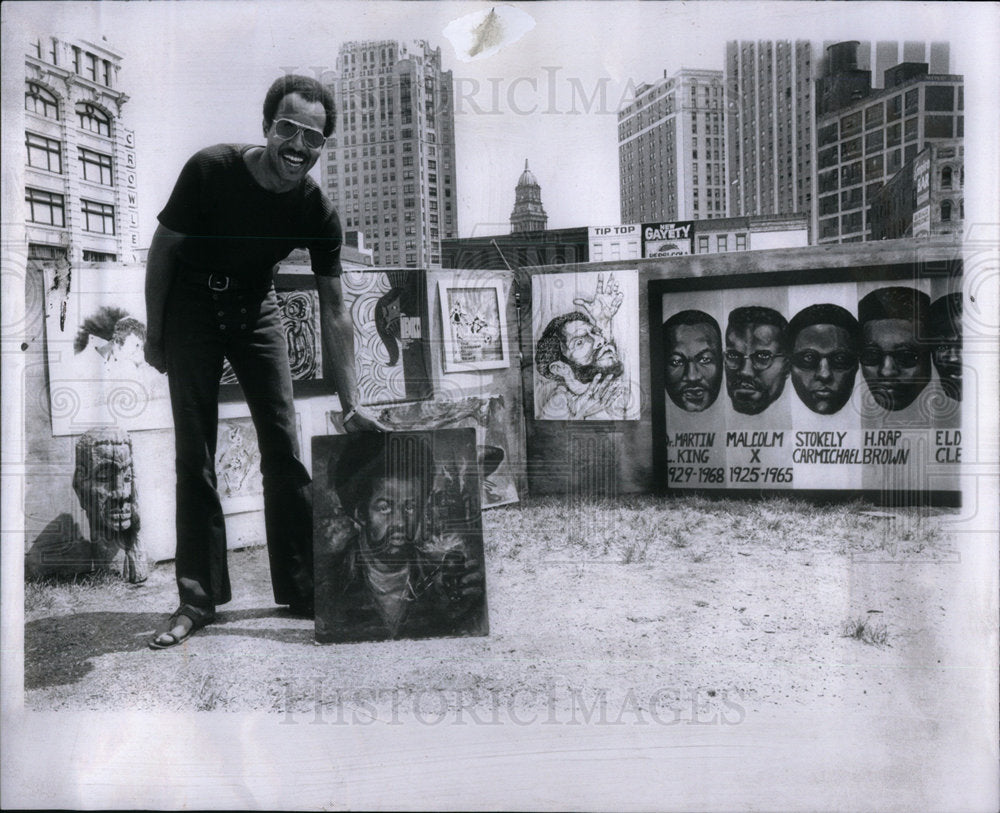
218 282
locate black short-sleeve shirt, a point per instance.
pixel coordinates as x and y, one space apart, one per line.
237 227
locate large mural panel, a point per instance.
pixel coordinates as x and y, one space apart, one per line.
853 383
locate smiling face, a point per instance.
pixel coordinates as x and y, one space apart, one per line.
693 366
893 363
288 160
823 367
753 390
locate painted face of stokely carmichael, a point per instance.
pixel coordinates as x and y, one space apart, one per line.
823 367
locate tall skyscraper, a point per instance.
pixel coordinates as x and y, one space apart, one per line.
770 123
390 165
80 168
671 149
863 139
528 214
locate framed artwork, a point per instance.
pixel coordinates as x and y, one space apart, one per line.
499 439
585 331
391 349
475 326
298 302
845 380
398 542
95 331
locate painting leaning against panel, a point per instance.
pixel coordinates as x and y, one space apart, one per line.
398 541
849 384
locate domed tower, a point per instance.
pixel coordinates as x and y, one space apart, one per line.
528 214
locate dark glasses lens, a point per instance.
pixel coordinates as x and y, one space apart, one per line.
810 360
286 129
872 357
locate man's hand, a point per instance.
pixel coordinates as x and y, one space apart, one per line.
607 299
361 422
155 354
601 396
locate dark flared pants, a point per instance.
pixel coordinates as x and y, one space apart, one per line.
201 328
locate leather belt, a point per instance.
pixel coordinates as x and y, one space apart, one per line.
216 281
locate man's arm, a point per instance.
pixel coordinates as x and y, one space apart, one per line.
338 348
161 268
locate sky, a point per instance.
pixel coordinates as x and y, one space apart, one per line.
196 73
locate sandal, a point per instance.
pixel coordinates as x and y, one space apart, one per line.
198 618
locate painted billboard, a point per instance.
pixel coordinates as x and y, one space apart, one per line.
668 238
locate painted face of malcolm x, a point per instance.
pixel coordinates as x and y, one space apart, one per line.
756 368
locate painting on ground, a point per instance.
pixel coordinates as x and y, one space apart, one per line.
398 536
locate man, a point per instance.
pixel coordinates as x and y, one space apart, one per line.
692 359
585 368
235 212
825 340
756 360
945 326
384 569
895 364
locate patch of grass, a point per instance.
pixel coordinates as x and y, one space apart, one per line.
867 631
54 594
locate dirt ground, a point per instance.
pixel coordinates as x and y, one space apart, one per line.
637 612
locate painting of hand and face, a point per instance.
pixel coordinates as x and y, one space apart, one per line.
585 329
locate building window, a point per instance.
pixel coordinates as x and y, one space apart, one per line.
939 97
98 217
96 167
945 211
98 257
703 244
91 67
93 119
938 127
38 100
741 242
946 178
722 242
46 208
107 73
37 251
43 153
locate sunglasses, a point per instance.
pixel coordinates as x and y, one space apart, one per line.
286 129
761 359
873 357
810 360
